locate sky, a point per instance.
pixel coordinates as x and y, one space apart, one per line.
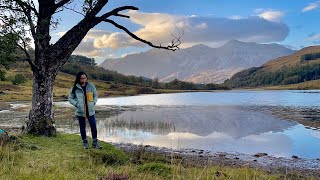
292 23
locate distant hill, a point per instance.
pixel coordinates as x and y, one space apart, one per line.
198 64
108 83
302 66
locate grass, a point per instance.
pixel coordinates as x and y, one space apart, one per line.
308 85
314 84
62 86
63 157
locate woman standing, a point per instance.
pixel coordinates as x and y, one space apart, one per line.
83 96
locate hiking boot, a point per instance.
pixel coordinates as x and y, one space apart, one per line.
96 145
85 144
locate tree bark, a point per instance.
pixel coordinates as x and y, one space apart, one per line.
41 117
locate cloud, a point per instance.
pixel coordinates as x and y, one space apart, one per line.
208 30
271 15
115 41
95 33
236 17
211 31
313 37
86 48
311 6
126 54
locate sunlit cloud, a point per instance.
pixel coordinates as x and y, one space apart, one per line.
271 15
311 6
158 28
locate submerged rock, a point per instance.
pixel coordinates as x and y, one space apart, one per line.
260 154
295 157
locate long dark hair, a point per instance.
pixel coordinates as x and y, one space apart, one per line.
78 77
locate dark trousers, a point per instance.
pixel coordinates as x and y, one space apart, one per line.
93 126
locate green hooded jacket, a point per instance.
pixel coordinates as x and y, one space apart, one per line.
78 99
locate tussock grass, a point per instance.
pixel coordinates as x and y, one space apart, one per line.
63 157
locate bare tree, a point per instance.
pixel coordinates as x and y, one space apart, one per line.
22 17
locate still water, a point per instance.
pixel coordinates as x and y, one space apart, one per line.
275 122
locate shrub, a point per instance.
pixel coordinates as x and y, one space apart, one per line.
2 75
159 169
18 79
108 157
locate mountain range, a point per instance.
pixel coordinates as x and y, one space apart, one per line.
199 63
301 66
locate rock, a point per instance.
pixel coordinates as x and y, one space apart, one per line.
2 92
295 157
260 154
222 154
4 138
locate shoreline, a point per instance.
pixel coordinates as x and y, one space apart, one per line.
203 158
168 91
198 157
261 161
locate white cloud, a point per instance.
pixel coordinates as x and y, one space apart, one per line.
126 54
86 48
207 30
115 40
202 26
311 6
270 15
211 31
236 17
313 37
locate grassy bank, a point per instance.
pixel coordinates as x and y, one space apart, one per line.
308 85
314 84
63 83
62 157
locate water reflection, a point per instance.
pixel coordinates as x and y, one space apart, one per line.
270 98
232 121
214 128
198 120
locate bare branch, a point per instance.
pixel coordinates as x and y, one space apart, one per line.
115 12
23 47
72 9
26 6
97 8
28 59
62 3
27 11
122 15
11 8
173 46
71 39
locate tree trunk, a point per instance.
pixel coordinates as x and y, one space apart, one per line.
41 116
